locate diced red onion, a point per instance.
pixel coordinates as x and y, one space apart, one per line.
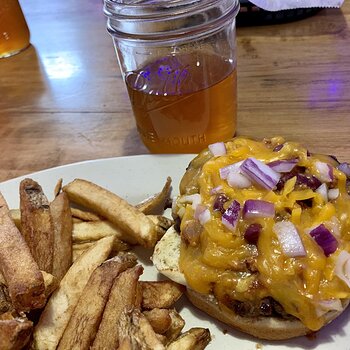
283 166
217 149
324 306
289 239
231 216
237 180
215 190
235 167
195 199
342 267
345 168
278 147
333 193
202 213
252 233
219 202
323 191
260 173
258 209
324 239
325 171
310 181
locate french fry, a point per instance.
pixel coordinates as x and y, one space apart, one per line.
118 211
159 319
134 329
62 302
16 217
15 332
51 283
21 273
79 248
155 204
194 339
37 228
160 294
83 325
94 230
176 326
123 295
58 188
162 224
62 226
84 215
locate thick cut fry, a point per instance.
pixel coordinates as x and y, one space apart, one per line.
123 295
135 331
176 326
37 228
16 217
79 248
15 332
62 226
20 271
162 224
51 283
84 215
159 319
60 306
194 339
83 325
107 204
155 204
160 294
94 230
58 188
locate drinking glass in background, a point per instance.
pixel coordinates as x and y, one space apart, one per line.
14 32
178 60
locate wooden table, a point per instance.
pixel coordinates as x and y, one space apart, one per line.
63 99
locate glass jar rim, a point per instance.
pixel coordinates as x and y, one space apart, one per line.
159 18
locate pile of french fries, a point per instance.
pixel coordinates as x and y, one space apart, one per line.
70 280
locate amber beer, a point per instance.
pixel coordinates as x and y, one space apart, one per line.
183 103
14 32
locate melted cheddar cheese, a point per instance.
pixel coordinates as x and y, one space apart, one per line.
218 263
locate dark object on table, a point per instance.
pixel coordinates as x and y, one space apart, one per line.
251 15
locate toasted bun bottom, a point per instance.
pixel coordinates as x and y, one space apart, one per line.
271 328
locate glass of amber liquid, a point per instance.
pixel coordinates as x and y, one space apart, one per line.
178 60
14 32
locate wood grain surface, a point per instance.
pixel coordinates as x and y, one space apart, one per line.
63 100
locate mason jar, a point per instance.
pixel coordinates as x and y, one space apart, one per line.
178 61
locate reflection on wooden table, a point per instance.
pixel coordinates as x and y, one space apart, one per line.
63 100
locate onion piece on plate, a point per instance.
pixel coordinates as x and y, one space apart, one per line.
345 168
235 167
254 208
217 149
289 239
194 199
260 173
323 191
325 171
342 267
324 239
237 180
219 202
283 166
231 216
252 233
202 214
333 193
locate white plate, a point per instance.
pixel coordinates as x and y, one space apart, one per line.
135 178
